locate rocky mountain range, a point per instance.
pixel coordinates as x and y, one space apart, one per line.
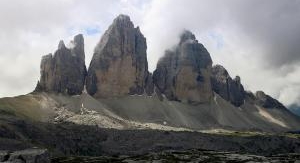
186 92
184 76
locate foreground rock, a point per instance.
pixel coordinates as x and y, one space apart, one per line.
25 156
185 156
68 139
65 71
119 66
183 74
229 89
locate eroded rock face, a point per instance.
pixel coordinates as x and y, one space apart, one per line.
267 101
119 66
65 71
183 73
229 89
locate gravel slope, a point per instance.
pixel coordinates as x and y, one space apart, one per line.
148 112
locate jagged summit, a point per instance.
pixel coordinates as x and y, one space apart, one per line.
267 101
220 71
78 40
122 17
184 91
187 35
123 20
119 65
61 45
78 47
230 89
64 72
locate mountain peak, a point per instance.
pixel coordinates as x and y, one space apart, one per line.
219 70
186 35
267 101
229 89
123 21
64 72
123 17
119 69
183 74
78 39
61 45
119 66
78 47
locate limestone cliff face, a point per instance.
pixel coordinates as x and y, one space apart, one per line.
229 89
119 66
65 71
183 73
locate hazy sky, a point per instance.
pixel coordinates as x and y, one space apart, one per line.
257 39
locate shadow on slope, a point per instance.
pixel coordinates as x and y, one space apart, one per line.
68 139
148 112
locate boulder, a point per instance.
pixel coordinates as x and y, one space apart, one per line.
229 89
119 65
183 73
65 71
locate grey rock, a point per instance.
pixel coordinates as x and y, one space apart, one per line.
267 101
4 155
229 89
61 45
149 87
183 73
65 71
250 97
25 156
119 65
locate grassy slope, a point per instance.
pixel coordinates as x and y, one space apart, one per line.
25 106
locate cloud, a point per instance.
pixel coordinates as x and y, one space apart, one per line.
257 39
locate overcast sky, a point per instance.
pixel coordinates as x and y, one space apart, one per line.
259 40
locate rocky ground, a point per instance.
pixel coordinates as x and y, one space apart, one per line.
82 126
186 156
193 155
33 155
68 139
